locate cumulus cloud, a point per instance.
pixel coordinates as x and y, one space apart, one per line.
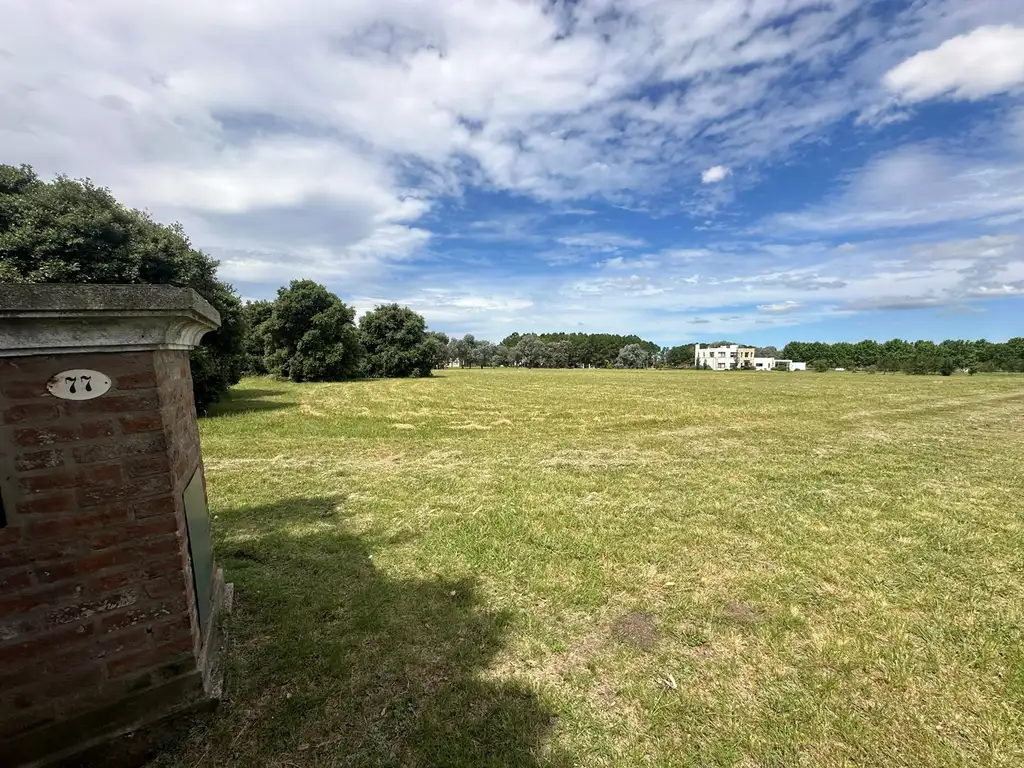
985 62
714 174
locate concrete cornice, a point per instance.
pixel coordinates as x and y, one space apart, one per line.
45 319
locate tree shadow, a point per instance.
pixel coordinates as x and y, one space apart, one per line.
336 662
246 400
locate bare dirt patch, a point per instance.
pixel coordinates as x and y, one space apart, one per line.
743 613
637 629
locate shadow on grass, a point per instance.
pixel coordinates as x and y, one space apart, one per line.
238 401
337 663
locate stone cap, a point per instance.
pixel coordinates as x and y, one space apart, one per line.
47 319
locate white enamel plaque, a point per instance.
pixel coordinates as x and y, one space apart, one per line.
78 384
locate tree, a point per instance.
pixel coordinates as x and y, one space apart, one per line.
312 335
529 352
843 355
71 231
395 342
681 356
768 351
502 355
463 350
437 347
947 367
866 353
794 351
820 365
897 350
255 314
483 353
632 356
560 354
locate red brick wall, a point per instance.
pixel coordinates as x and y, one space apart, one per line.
178 415
94 597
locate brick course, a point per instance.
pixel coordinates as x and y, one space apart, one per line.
96 594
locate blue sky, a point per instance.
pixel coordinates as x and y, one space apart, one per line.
759 170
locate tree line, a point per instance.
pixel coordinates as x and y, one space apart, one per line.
554 350
917 357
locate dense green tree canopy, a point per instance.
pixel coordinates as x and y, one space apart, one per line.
917 357
437 348
395 341
598 349
71 231
255 315
311 335
681 356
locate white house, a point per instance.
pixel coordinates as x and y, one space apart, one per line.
771 363
735 356
723 358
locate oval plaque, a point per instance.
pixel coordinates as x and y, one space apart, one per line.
78 384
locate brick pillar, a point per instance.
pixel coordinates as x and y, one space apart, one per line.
100 630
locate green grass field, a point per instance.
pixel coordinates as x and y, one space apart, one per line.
619 568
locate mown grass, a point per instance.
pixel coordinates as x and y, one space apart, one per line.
604 568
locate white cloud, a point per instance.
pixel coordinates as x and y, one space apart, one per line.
601 241
985 62
620 262
897 303
714 174
917 186
779 307
980 248
993 291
